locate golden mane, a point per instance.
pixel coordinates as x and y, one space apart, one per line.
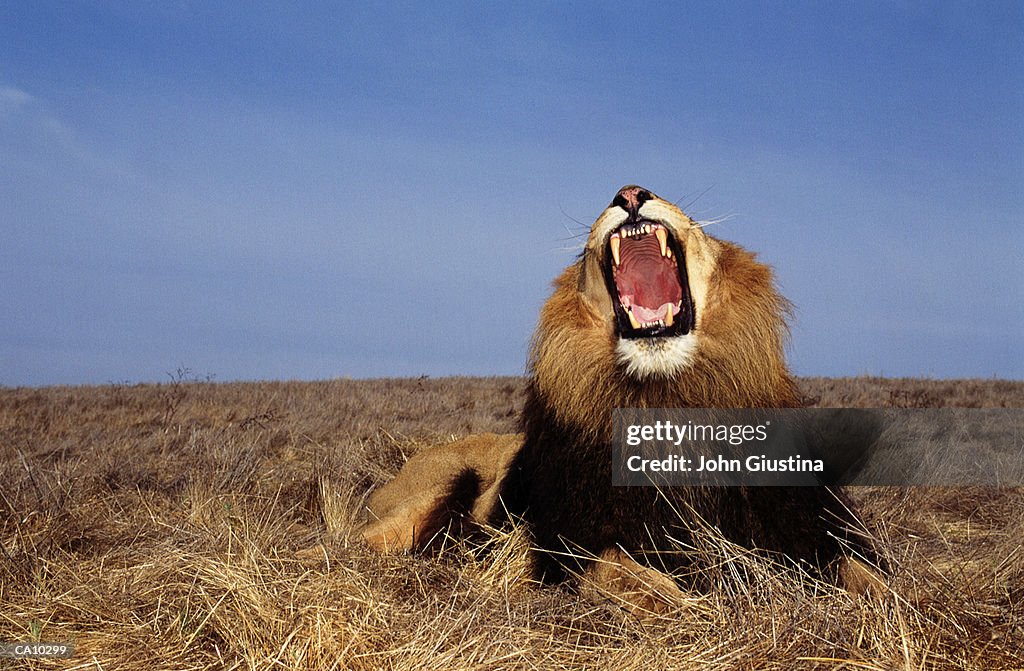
738 364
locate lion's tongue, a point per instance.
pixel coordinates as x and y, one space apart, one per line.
647 282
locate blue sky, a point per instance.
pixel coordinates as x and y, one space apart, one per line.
317 191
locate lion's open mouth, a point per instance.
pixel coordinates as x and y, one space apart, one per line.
646 276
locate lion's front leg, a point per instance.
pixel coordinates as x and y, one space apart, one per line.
617 578
450 488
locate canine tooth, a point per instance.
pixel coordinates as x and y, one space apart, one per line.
662 239
669 320
614 242
632 320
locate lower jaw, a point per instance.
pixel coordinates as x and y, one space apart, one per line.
664 330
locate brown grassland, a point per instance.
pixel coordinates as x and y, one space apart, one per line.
193 525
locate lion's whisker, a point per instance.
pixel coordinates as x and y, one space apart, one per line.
695 199
718 220
578 248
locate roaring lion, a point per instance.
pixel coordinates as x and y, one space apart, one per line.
655 313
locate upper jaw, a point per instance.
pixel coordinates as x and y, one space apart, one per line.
654 210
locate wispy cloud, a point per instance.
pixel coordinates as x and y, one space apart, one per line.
13 98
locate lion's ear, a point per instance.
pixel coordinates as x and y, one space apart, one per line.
590 285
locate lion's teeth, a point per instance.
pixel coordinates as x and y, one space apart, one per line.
632 320
668 252
662 235
615 241
669 320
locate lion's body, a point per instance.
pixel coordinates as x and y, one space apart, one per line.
560 485
713 338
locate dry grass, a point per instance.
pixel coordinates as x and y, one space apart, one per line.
208 526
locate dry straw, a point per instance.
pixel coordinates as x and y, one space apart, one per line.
210 527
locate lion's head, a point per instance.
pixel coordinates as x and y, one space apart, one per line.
657 313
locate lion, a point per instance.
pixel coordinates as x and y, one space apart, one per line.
654 313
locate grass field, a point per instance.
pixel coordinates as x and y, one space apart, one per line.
192 525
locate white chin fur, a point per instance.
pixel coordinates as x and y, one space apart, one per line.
657 357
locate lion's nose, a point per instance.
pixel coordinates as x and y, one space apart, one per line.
631 197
